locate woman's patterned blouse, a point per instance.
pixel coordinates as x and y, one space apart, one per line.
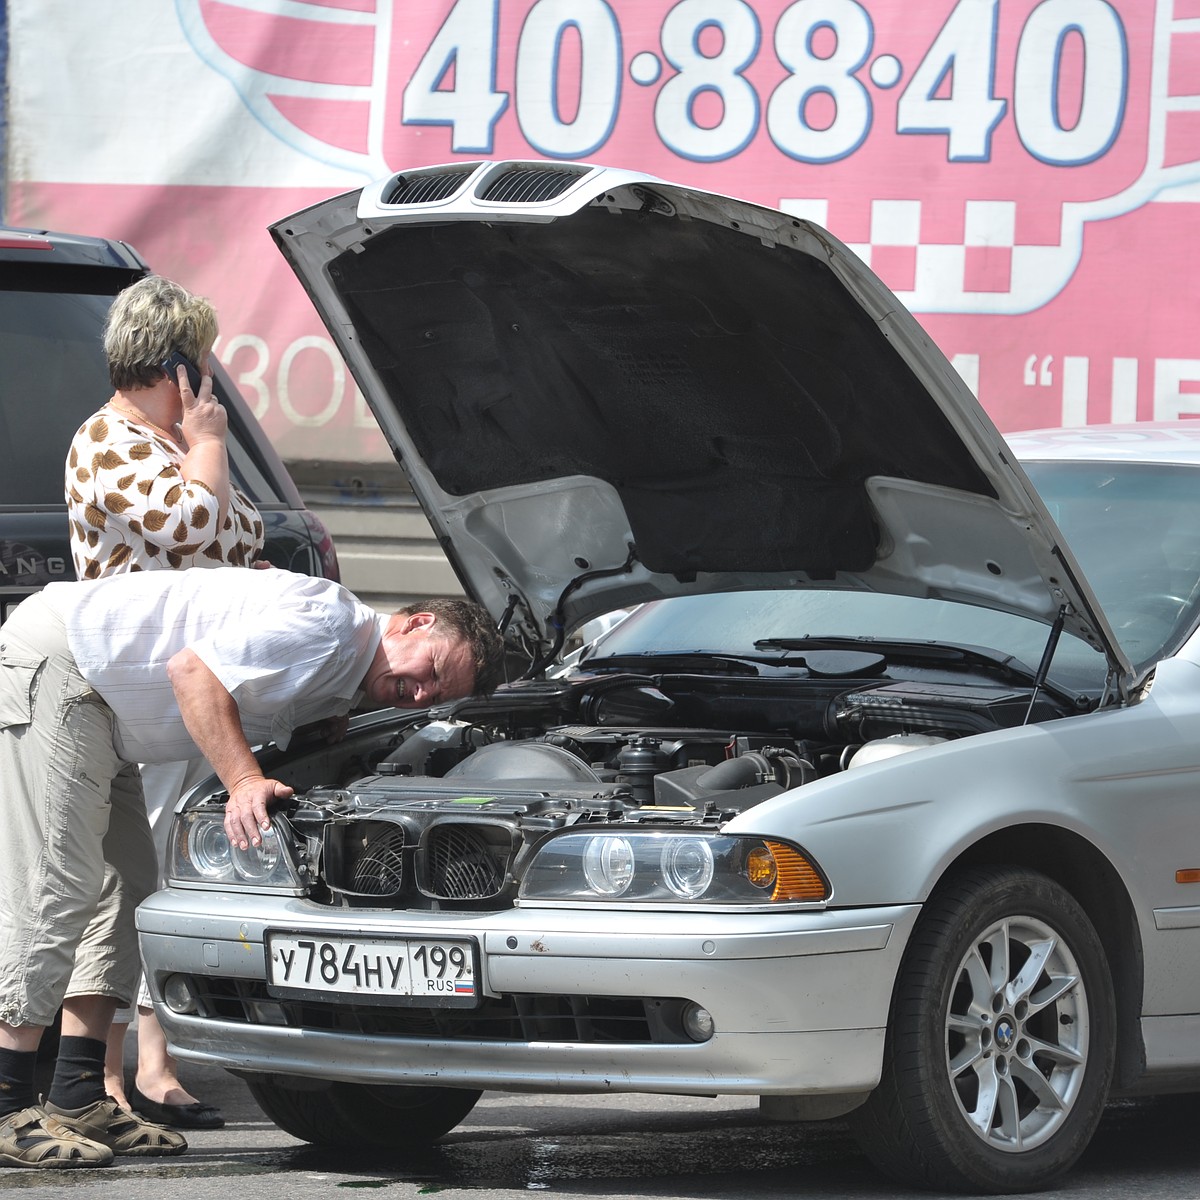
130 509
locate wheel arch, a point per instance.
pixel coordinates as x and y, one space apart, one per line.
1078 866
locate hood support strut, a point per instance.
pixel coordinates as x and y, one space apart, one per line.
557 620
1047 655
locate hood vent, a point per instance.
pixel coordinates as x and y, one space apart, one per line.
428 188
531 185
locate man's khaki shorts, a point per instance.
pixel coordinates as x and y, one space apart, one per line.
69 808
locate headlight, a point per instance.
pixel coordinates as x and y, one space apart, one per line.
208 848
667 867
201 855
608 865
688 866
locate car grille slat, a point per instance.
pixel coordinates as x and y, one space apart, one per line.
427 188
530 185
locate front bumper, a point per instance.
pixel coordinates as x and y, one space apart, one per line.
799 1000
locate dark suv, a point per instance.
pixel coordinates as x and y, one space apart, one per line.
55 291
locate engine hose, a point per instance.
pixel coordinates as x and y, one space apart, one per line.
748 770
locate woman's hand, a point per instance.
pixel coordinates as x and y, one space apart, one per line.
204 417
204 424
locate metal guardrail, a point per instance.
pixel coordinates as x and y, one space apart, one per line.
386 549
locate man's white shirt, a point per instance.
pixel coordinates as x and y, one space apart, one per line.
290 649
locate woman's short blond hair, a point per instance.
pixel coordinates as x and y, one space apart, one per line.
148 322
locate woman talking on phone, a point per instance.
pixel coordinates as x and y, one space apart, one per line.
147 477
148 489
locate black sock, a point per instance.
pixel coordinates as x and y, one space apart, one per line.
78 1073
17 1068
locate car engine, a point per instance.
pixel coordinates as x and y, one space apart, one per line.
441 810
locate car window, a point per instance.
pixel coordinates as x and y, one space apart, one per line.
1135 529
52 377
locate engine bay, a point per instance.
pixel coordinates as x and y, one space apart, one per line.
442 809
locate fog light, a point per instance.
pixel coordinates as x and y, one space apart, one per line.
697 1022
179 996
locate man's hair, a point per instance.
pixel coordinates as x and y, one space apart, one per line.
472 623
147 323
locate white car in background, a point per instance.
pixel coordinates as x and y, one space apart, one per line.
884 802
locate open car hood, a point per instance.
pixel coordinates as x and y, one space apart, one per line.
605 389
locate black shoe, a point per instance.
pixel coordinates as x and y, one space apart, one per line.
182 1116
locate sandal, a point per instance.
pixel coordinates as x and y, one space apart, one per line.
33 1138
122 1131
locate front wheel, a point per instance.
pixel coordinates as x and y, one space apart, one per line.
362 1115
1000 1047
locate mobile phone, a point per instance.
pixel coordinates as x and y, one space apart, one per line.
176 360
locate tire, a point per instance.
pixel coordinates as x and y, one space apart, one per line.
359 1115
994 1076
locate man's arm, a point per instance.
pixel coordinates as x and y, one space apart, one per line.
212 718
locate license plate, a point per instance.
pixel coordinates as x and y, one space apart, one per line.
437 972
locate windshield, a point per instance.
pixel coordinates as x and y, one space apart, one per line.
1135 529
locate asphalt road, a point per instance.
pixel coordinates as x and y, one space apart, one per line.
611 1146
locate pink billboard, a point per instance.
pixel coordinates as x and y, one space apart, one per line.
1024 174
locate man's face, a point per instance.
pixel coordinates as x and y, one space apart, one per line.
415 665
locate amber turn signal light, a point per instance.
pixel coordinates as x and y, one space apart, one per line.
796 878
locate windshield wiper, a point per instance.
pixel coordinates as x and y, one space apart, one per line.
688 661
1007 666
